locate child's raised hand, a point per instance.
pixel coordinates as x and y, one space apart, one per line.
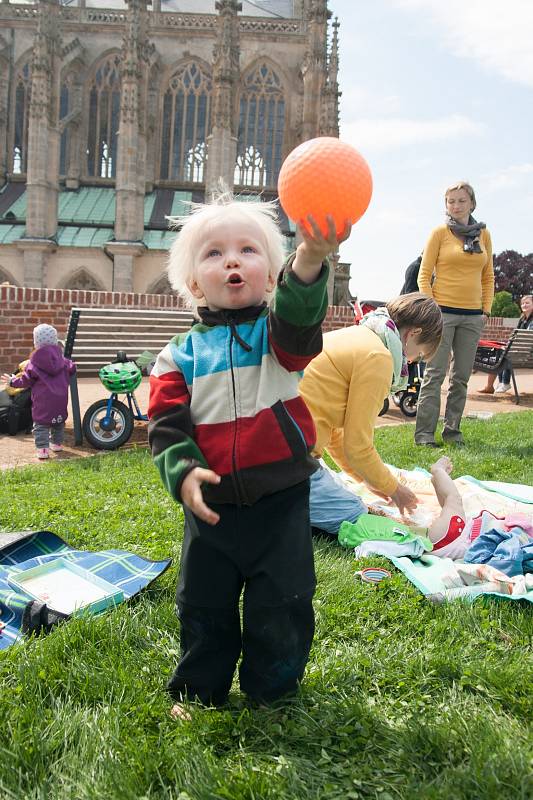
315 246
319 244
191 493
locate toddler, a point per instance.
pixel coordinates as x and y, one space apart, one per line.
47 374
232 441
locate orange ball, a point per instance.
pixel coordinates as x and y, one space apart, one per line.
325 176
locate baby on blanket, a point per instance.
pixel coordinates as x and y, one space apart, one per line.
451 533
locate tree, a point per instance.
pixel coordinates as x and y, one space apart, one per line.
503 306
513 273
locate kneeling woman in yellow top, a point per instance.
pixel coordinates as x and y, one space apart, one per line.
344 388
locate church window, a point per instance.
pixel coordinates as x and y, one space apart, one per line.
261 128
104 119
22 107
64 102
186 124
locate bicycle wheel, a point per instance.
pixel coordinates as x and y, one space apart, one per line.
107 434
408 404
385 407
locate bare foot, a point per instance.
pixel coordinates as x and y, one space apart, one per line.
443 463
486 390
179 712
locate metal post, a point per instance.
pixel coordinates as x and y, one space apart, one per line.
76 416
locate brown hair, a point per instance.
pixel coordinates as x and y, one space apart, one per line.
462 185
417 310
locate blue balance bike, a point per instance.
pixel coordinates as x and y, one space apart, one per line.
108 424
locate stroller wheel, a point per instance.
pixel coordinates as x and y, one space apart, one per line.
408 403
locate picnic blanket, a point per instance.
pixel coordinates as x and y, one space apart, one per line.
26 549
427 572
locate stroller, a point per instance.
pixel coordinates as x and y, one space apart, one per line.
15 409
407 399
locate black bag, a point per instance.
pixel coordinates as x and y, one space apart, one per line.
15 412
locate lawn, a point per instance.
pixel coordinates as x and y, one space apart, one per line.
401 699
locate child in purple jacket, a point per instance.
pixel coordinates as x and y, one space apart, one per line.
47 374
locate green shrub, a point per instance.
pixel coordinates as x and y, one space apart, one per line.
504 306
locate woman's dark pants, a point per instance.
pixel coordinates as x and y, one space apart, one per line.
265 548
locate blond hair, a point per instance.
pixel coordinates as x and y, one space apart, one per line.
462 185
417 310
192 231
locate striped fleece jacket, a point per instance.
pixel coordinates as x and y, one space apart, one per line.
224 395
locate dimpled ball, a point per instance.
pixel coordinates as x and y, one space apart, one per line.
325 176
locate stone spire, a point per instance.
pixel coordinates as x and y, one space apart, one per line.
131 151
222 143
42 184
314 67
329 125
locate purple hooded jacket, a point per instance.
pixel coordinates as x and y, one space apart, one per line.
47 375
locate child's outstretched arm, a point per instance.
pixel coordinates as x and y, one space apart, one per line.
315 246
23 381
301 299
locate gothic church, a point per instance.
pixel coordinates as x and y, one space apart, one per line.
115 114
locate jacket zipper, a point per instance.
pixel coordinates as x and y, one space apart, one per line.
237 484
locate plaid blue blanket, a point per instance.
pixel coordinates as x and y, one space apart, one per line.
26 549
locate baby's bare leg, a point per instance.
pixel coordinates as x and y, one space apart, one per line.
448 497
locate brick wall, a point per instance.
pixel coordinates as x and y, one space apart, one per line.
338 317
21 309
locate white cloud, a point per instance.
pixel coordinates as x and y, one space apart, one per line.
358 100
392 132
496 34
510 177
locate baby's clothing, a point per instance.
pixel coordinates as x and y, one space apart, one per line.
456 541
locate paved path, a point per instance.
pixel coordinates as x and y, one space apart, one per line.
19 450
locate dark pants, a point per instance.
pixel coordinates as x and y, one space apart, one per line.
265 548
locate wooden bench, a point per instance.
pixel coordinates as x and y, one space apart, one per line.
517 354
95 335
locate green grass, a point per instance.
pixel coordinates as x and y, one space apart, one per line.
401 699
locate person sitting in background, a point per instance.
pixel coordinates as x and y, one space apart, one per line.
504 377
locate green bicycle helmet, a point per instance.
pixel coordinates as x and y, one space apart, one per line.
120 377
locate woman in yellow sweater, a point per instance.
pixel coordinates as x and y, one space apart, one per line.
344 388
457 271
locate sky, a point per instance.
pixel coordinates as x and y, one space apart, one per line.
435 92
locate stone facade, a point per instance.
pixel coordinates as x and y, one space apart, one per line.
140 99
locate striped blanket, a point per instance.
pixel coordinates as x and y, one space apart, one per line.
26 549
